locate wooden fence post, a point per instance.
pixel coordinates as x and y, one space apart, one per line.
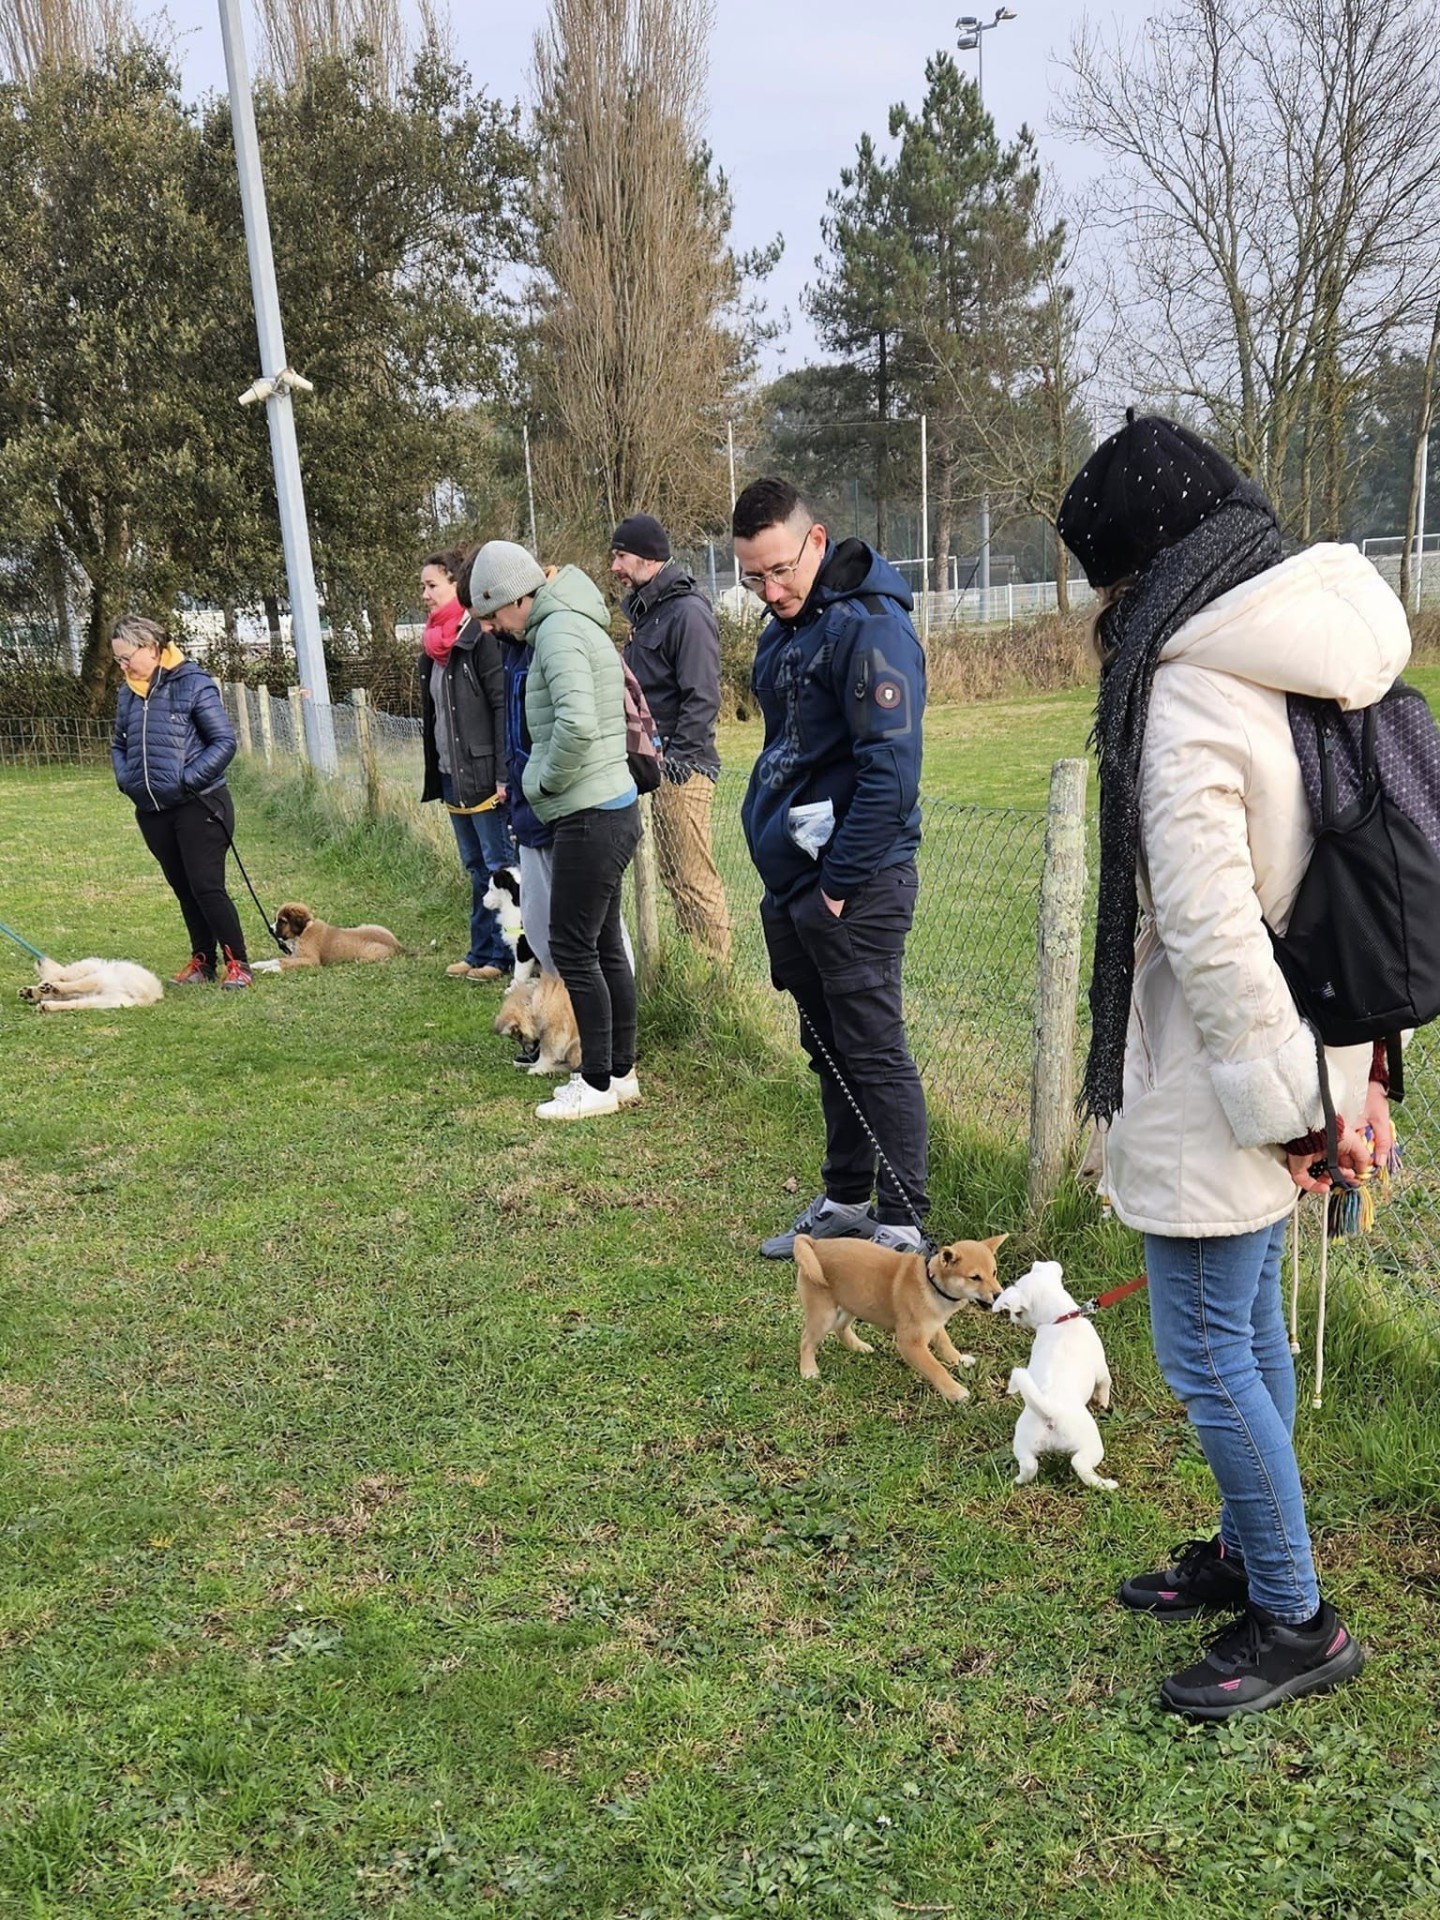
267 730
1057 982
647 895
242 717
297 726
369 766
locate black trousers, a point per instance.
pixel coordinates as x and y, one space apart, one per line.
844 975
589 855
190 844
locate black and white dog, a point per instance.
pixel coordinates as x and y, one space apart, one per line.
502 897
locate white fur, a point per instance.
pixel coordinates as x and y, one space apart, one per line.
507 907
92 983
1272 1099
1067 1371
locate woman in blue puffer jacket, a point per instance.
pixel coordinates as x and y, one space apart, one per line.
170 747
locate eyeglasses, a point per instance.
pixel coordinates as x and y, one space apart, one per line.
776 576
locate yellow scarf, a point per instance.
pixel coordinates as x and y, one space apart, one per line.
171 657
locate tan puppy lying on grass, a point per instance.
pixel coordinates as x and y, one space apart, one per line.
315 943
840 1281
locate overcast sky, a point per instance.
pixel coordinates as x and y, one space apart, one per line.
792 88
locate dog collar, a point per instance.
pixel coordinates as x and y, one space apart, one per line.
1078 1314
955 1299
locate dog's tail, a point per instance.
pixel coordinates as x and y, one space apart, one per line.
808 1261
1021 1383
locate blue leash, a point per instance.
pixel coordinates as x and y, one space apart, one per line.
11 934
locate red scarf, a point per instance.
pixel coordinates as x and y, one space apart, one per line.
440 630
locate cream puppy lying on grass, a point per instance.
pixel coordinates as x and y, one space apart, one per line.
1067 1371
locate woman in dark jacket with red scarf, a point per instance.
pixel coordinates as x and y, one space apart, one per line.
462 695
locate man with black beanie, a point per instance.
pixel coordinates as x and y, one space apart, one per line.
674 652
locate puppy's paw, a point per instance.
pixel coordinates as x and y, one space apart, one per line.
1110 1486
964 1359
812 1372
1012 1384
960 1394
30 993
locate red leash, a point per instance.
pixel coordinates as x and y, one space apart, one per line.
1104 1300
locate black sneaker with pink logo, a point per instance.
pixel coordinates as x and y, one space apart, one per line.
1203 1578
1260 1661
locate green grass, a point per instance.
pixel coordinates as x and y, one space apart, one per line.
406 1510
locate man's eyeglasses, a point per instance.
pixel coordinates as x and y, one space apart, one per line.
776 576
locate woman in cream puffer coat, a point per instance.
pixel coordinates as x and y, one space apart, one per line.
1200 1062
1219 1067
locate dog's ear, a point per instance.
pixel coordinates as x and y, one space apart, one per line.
996 1240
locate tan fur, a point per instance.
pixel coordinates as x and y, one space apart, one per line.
315 943
840 1281
92 983
539 1011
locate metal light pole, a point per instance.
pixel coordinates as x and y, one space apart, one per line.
275 385
1418 574
972 35
924 530
730 443
529 485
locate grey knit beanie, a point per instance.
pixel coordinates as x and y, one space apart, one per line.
502 573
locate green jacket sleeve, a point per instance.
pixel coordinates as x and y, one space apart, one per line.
563 659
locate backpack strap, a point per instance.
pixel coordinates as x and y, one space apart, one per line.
1332 1134
1395 1067
1327 783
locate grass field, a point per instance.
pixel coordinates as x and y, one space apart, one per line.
406 1510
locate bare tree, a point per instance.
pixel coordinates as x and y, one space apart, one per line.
639 346
1274 178
294 32
1033 434
49 33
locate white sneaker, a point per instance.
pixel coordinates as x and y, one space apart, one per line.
578 1100
898 1239
626 1088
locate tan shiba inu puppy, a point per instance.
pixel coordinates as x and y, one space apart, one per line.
841 1281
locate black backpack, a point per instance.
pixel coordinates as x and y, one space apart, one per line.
1361 951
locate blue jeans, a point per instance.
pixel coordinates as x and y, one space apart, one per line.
1218 1318
484 842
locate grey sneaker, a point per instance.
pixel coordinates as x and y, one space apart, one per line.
899 1239
823 1219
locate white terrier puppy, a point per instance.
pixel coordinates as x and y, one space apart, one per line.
1067 1371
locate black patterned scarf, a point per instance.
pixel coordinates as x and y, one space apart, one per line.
1238 540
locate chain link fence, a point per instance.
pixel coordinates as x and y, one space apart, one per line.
971 961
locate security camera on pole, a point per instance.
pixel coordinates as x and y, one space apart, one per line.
972 31
275 388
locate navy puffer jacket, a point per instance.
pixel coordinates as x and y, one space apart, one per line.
173 744
842 690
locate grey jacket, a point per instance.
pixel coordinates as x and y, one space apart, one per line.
674 652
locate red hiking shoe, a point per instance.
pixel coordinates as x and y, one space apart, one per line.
237 973
197 967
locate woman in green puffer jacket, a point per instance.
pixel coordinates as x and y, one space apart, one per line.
578 781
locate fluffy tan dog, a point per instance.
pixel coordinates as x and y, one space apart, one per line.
315 943
539 1012
840 1281
92 983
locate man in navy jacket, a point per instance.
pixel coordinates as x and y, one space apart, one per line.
832 819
